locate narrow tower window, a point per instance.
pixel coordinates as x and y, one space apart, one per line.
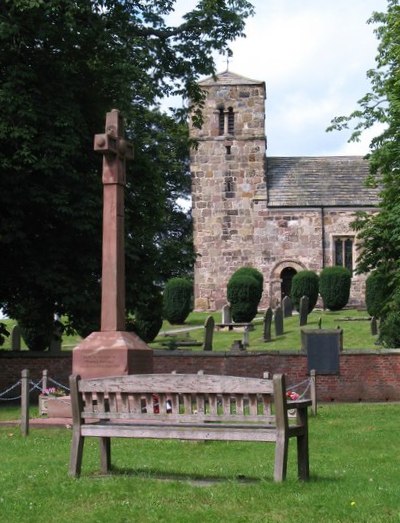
231 121
221 121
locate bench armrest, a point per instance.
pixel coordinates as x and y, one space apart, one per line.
299 404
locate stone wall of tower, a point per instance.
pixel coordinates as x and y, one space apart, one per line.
227 176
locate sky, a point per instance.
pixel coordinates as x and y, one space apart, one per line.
313 56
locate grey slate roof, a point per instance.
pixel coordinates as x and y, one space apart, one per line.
332 181
229 78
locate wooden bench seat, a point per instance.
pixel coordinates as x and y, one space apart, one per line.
187 407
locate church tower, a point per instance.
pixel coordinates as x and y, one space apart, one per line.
228 181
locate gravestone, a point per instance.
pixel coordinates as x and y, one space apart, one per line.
323 347
16 338
113 350
246 336
56 339
267 324
237 346
208 333
226 318
303 310
287 307
374 326
278 321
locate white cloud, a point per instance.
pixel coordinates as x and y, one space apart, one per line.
313 56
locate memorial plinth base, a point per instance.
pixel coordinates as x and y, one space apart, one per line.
113 353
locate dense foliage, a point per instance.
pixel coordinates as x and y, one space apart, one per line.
376 293
177 300
255 273
243 293
379 234
305 283
63 65
334 287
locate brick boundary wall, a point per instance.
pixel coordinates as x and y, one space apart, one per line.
364 376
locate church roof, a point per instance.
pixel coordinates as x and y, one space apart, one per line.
229 78
334 181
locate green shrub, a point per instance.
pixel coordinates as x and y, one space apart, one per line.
334 287
255 273
243 294
377 292
177 300
305 283
389 330
148 318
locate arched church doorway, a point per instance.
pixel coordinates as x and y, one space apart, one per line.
286 280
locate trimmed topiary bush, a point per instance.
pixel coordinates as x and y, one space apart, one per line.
377 292
243 294
177 300
148 318
305 283
255 273
334 287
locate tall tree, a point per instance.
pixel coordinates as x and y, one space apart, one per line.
380 233
63 65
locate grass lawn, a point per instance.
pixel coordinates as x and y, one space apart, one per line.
355 324
354 460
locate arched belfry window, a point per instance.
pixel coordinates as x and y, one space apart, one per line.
221 121
231 121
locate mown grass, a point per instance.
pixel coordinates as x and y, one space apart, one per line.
355 324
354 460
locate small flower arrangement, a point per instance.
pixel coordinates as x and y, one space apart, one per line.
291 395
53 391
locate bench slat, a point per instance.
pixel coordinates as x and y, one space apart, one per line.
196 432
177 383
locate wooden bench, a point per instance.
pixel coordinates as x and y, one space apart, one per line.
187 407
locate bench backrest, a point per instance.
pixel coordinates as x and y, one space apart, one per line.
180 397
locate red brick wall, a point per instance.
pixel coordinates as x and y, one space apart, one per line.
363 376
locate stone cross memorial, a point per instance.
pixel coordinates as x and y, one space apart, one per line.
112 351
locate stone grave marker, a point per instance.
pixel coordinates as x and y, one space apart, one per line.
226 316
267 324
287 307
278 321
208 333
16 338
374 326
303 312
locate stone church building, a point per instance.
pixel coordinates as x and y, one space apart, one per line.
280 215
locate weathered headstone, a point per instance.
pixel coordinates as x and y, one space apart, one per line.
303 310
226 318
237 346
56 339
287 307
208 333
267 324
278 321
374 326
246 336
16 338
113 350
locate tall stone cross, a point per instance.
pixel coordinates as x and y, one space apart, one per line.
112 351
116 150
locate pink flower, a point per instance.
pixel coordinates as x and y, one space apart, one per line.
292 395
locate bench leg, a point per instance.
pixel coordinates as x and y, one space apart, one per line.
281 457
76 453
302 457
105 455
